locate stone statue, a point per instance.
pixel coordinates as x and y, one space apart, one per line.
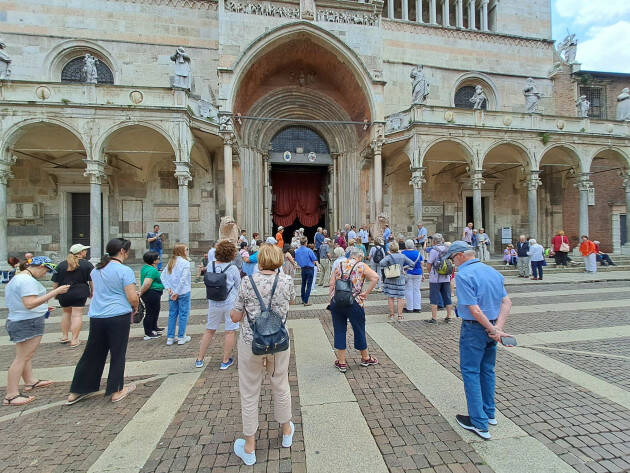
183 76
583 106
377 228
568 49
623 105
419 85
228 230
532 96
479 100
5 60
307 9
89 69
208 110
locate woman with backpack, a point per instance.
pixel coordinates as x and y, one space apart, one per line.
220 302
176 280
394 283
377 254
440 269
413 279
277 291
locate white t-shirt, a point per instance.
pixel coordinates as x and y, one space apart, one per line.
21 285
352 235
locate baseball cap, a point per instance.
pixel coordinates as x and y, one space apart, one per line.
44 261
458 246
280 228
78 248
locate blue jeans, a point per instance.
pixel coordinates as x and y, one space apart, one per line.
477 357
159 267
340 316
537 269
178 309
307 279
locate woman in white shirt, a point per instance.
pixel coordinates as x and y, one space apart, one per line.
536 255
26 300
176 279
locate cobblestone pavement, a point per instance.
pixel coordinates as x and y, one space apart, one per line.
586 430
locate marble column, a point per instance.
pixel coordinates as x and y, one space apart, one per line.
267 204
533 182
335 193
459 13
390 9
477 182
182 173
446 20
471 15
417 179
419 11
228 141
433 12
377 147
95 170
626 185
5 174
583 184
484 15
405 9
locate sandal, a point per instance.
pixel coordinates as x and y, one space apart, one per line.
9 401
371 361
130 388
75 345
401 317
391 316
37 384
447 319
63 341
342 367
78 397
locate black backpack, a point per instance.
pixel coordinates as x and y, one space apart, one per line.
379 254
216 284
343 289
269 332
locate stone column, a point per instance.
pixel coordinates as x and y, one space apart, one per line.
446 20
626 184
405 9
477 182
417 179
5 174
471 14
267 210
182 173
433 12
532 202
419 11
228 141
95 170
583 184
484 15
459 13
377 147
335 192
390 9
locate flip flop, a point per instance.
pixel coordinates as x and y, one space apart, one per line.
8 401
130 388
37 384
75 345
63 341
77 399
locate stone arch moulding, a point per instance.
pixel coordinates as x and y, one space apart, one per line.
583 167
65 51
478 78
277 36
100 143
623 155
470 154
531 161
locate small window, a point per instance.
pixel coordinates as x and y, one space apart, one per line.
294 137
463 96
597 98
73 72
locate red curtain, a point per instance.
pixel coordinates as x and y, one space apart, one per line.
297 196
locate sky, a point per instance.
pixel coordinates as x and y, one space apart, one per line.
602 28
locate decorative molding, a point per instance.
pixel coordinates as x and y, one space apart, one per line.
95 170
262 8
198 4
355 18
397 121
417 177
533 182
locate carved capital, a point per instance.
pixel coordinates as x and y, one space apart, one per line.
182 173
95 170
626 180
476 179
584 181
417 177
533 182
376 146
229 139
6 162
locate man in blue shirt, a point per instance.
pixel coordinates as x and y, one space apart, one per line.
483 305
421 236
386 236
319 239
155 239
306 259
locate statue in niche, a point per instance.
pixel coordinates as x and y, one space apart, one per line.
183 76
89 69
623 105
479 99
567 49
419 85
583 106
5 60
532 96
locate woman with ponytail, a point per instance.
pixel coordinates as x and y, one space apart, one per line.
176 280
114 301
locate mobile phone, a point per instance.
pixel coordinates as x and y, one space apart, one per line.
508 341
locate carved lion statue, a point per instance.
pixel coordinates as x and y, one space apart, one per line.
377 228
229 230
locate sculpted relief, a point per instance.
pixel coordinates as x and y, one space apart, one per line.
262 8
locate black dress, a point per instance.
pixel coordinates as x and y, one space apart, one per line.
79 283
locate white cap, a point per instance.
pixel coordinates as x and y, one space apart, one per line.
78 248
272 240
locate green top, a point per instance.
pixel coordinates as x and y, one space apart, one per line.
151 272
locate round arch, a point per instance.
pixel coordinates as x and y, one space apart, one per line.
611 152
478 78
109 133
444 142
521 150
562 153
65 51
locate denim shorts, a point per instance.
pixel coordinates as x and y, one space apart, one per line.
22 330
440 293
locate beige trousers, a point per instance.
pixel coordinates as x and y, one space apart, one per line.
251 372
324 278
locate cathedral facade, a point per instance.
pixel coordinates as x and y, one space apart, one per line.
121 114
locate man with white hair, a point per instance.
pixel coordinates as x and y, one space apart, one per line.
522 247
483 305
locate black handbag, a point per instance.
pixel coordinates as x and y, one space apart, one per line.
139 315
270 334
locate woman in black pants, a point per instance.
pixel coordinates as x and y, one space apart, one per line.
114 301
151 289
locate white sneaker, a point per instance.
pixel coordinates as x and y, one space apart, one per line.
184 340
287 440
239 449
169 341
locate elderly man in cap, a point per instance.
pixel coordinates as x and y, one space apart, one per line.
483 305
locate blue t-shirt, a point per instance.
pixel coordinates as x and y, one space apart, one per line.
479 284
414 255
319 239
155 245
109 298
305 257
386 234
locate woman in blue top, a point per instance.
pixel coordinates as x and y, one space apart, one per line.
114 301
414 278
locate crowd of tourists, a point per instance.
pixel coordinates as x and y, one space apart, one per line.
251 281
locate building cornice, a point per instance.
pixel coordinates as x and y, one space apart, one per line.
196 4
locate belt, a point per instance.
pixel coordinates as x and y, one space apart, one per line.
493 321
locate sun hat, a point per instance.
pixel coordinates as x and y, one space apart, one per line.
458 246
78 248
44 261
